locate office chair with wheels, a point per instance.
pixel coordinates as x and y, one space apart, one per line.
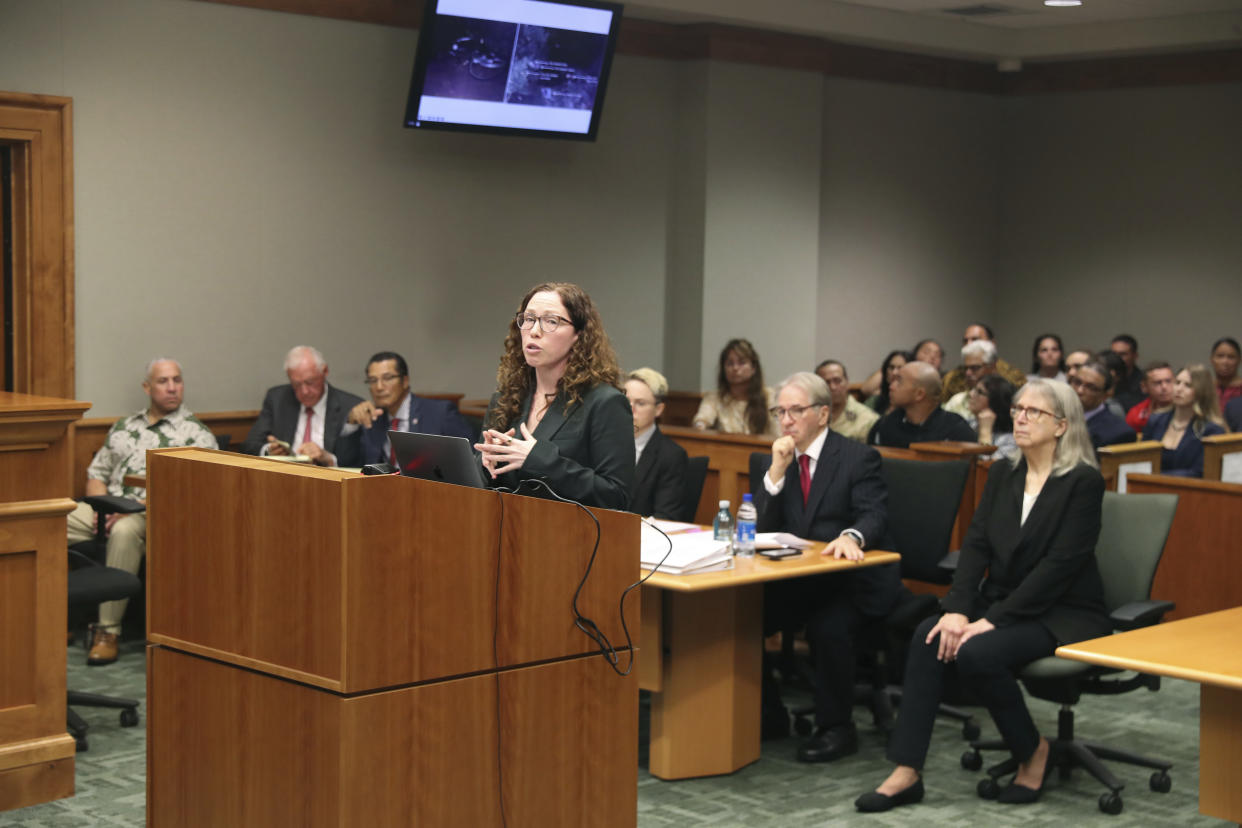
696 475
91 583
1132 536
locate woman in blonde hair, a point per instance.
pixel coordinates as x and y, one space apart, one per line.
1033 537
558 414
1195 415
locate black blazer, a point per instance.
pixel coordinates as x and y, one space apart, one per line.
1233 414
1107 429
847 492
585 452
660 479
426 417
279 418
1043 570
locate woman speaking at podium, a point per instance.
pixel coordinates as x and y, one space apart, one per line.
558 414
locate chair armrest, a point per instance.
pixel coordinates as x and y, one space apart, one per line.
1139 614
106 504
949 561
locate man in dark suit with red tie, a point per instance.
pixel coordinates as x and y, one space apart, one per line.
308 414
822 486
394 408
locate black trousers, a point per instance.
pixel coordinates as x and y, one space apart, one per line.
826 605
988 664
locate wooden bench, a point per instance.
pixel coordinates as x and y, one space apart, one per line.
1119 461
1215 449
1202 565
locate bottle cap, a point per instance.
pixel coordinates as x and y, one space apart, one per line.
746 498
724 504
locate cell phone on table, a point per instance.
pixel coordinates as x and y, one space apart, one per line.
781 553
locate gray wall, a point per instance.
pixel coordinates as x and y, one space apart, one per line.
243 184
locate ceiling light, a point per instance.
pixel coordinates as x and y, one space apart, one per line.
1062 2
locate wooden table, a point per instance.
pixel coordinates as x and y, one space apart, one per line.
1203 649
701 658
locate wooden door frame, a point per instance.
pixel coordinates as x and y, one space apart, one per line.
40 128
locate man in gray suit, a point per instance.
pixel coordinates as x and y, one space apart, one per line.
307 414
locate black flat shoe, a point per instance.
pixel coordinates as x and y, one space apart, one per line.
873 802
1015 794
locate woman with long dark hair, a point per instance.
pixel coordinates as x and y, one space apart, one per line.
990 402
740 403
1226 354
558 414
1047 358
879 401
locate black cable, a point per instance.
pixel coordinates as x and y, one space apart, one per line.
588 627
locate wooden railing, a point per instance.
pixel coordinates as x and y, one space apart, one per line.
1215 449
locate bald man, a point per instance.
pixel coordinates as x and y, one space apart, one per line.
917 416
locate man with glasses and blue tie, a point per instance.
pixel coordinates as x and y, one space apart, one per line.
393 408
822 486
306 416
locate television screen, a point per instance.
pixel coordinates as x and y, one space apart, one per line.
531 67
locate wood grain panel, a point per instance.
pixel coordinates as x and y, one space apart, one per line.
1220 752
42 128
238 748
1215 448
1199 569
40 782
18 603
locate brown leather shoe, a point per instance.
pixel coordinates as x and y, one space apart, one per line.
103 649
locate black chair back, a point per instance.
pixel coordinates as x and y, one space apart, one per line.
923 497
696 475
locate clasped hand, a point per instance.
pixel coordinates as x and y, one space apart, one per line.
505 452
955 630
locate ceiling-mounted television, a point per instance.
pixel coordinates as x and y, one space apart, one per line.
526 67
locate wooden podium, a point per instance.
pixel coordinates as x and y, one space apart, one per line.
328 649
36 754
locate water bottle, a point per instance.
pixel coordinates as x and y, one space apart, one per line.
746 516
722 526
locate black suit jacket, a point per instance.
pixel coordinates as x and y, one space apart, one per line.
847 492
426 417
660 479
279 418
1233 414
1107 429
1042 570
585 452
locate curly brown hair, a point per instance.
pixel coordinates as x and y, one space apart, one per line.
592 360
756 401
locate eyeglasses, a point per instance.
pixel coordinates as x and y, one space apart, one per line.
548 323
795 411
1075 382
386 379
642 403
1033 414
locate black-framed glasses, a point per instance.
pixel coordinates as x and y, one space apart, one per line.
794 411
548 323
1033 414
1075 382
386 379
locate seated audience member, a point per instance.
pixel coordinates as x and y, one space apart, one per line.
978 361
822 486
1092 382
1127 391
1225 355
956 380
162 423
1047 359
1116 370
740 403
929 351
1034 535
1075 360
1195 415
917 417
850 418
1158 385
660 470
1233 414
879 401
393 408
990 402
307 413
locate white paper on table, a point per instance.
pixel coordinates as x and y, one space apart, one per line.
1130 468
1231 467
779 540
694 551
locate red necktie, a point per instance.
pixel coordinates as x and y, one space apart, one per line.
310 414
804 465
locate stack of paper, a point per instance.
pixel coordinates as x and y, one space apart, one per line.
779 540
692 552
